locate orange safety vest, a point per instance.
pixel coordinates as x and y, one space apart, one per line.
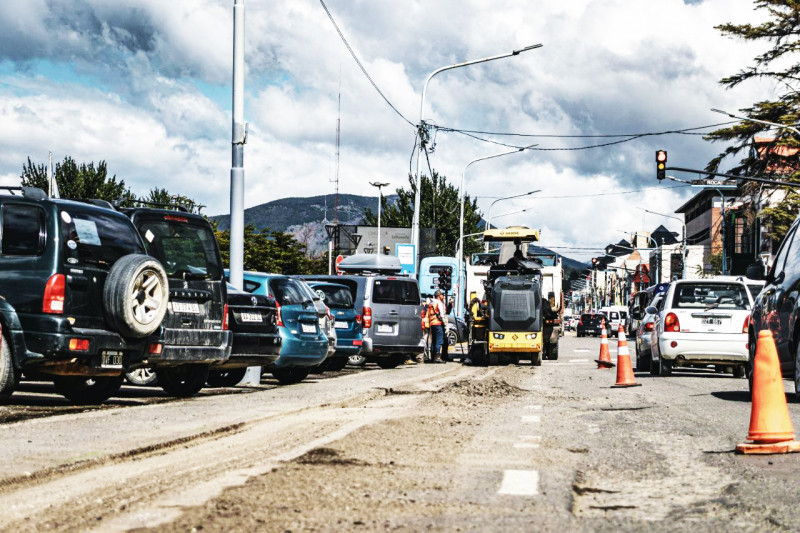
426 323
433 316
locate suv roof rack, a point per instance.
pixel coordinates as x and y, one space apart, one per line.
175 206
28 192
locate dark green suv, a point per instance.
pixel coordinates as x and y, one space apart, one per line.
196 333
79 299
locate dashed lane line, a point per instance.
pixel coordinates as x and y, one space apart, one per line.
520 483
531 418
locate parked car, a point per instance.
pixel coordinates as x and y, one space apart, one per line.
325 321
81 301
253 322
615 315
347 322
196 332
390 311
639 302
303 344
777 307
589 324
568 322
702 322
644 335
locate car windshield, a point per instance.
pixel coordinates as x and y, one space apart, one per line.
709 296
754 290
288 291
334 297
97 238
186 250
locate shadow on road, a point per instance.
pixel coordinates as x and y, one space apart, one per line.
732 395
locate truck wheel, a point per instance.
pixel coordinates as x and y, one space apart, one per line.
135 295
290 375
536 359
336 364
225 378
87 390
182 381
8 374
553 352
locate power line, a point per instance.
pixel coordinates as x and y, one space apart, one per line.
597 136
610 193
358 62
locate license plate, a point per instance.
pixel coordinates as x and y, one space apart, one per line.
251 317
308 328
186 307
109 359
712 322
385 328
340 325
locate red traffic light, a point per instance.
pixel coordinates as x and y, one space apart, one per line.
661 156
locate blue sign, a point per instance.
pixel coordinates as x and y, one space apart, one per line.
405 253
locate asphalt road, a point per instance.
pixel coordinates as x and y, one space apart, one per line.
439 447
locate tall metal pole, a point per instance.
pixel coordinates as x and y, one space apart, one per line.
238 138
380 187
422 132
722 230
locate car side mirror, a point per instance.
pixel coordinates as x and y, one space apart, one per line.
651 310
755 271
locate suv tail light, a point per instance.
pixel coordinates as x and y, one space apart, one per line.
746 324
367 311
649 326
580 321
671 323
225 318
54 295
279 319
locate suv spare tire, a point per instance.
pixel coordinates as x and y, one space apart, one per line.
135 295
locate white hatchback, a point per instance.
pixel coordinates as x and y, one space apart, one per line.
702 322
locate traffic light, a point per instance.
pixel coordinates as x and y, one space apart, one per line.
445 280
594 262
661 164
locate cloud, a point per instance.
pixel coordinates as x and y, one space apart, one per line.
145 85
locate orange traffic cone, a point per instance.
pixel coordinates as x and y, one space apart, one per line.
625 377
771 428
605 357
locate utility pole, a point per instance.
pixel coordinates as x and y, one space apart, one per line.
380 186
238 139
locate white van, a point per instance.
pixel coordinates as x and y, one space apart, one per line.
615 315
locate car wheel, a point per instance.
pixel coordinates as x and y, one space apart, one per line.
643 362
225 378
738 371
751 349
135 295
290 375
393 361
142 377
87 390
356 360
664 367
336 364
8 374
182 381
452 337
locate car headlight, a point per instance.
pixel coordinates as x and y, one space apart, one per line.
530 336
498 336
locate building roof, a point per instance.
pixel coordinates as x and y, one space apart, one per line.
664 236
702 196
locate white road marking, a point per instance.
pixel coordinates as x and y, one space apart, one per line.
528 441
581 350
526 445
578 361
520 483
531 418
534 407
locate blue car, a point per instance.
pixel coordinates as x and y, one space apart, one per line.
347 321
303 344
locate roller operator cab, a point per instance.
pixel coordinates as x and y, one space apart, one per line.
508 323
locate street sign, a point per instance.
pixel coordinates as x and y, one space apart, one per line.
405 253
726 185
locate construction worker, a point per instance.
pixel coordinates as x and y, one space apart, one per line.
426 331
437 316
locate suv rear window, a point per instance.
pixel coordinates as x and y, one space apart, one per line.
97 238
185 249
710 296
334 297
395 291
23 230
289 292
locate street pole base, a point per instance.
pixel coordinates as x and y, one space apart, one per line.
750 448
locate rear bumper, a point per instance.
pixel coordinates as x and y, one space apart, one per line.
704 348
252 349
298 351
193 346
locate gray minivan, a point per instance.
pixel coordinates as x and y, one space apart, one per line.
390 314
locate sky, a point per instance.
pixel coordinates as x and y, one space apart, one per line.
146 86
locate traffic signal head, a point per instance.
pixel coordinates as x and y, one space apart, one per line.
444 278
661 164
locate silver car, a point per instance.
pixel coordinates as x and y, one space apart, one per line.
644 335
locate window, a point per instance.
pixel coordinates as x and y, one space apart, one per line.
289 292
97 238
707 296
23 230
251 286
395 291
185 249
780 258
334 297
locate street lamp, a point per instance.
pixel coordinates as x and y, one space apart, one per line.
683 237
489 214
380 186
423 133
758 121
460 256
